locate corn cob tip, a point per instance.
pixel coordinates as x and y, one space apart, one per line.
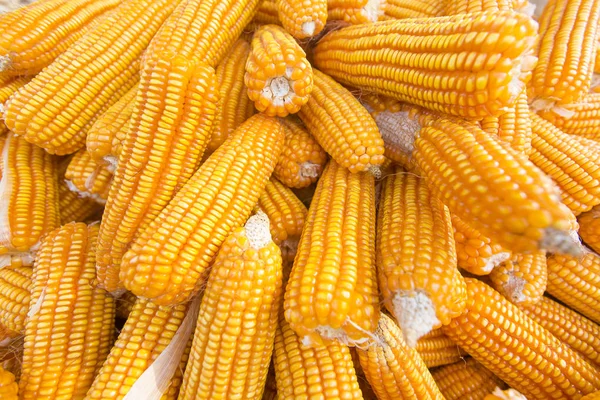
93 196
257 230
561 242
4 63
513 288
111 163
308 28
415 314
494 260
373 10
375 170
309 170
527 8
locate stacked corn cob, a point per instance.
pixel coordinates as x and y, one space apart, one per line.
155 182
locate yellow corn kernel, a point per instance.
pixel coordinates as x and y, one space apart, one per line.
59 106
438 63
493 187
589 228
29 192
342 126
437 349
522 279
332 290
15 293
278 76
70 324
574 166
566 51
287 214
147 332
201 31
416 257
305 371
9 85
394 370
581 118
592 396
302 159
171 122
243 295
74 208
355 11
105 137
8 386
579 333
87 178
124 305
401 9
235 106
466 379
214 201
302 19
506 341
267 13
34 35
475 252
514 125
576 282
454 7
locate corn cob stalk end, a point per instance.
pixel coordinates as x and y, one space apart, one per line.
415 313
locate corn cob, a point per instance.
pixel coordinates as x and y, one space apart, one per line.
394 370
216 199
573 166
582 118
592 396
508 394
466 379
512 126
355 11
437 349
15 293
332 291
243 295
302 159
98 70
105 137
305 371
171 122
576 283
454 7
522 279
488 82
342 126
33 36
416 257
566 51
401 9
579 333
8 386
235 107
475 252
589 228
201 31
87 178
518 350
267 13
149 329
9 85
70 324
74 208
302 19
279 78
29 194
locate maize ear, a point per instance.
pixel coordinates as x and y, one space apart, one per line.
401 9
8 386
454 7
235 106
355 11
518 350
416 257
332 290
59 106
394 370
15 294
342 126
87 178
70 323
34 35
581 118
579 333
233 341
437 349
302 159
171 122
216 199
9 85
466 379
302 19
589 228
576 282
279 78
514 125
522 279
417 60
